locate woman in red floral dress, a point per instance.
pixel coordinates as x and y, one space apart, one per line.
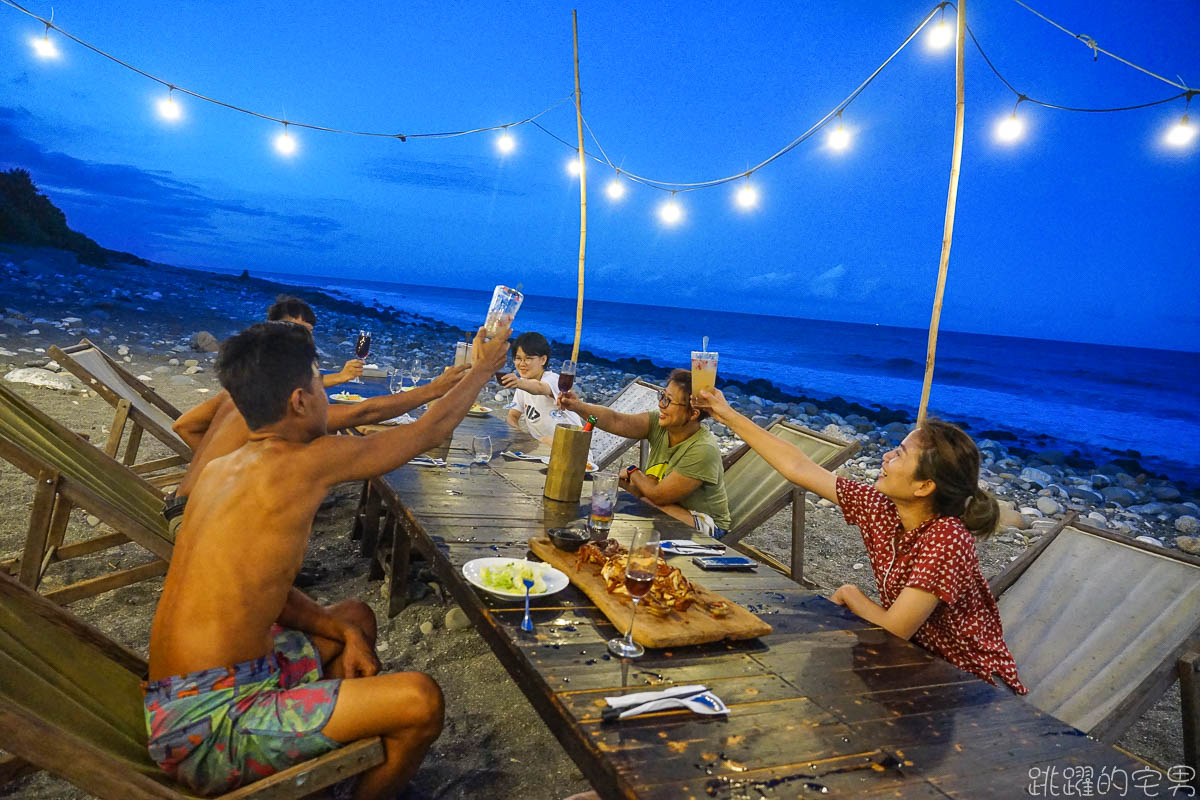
918 523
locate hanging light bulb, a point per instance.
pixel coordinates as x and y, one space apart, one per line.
747 196
940 36
43 46
168 109
1011 128
506 143
1181 134
573 168
839 137
285 145
670 212
615 189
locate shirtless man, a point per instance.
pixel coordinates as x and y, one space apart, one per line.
248 676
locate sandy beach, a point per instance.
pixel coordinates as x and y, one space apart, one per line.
494 744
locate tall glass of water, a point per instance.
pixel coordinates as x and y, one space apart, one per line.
502 311
481 449
604 501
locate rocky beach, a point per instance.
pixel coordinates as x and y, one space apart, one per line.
165 324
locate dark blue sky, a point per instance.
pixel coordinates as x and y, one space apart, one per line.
1084 230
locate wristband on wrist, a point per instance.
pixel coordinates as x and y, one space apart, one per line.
632 468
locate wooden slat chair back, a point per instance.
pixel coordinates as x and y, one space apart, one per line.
1100 625
134 401
757 492
636 397
72 473
71 703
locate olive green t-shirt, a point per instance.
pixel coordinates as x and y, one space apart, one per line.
697 457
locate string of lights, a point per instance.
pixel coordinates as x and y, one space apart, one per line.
170 110
838 139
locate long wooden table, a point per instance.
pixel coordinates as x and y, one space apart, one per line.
827 705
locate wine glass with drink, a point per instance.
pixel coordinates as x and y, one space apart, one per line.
566 379
362 348
640 569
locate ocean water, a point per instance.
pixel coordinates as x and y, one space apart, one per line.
1095 396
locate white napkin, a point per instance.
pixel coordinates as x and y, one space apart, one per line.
525 456
686 547
693 698
426 461
403 419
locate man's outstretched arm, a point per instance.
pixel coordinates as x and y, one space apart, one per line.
377 409
333 459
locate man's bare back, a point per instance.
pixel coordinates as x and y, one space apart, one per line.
256 505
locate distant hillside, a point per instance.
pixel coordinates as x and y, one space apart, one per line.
27 217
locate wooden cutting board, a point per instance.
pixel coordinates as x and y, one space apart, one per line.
694 626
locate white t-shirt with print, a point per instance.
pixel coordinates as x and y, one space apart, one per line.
537 409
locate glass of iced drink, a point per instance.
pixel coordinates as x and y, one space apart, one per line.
502 311
604 500
704 371
460 354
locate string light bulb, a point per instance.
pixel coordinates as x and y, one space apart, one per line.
285 145
1011 128
168 109
573 168
839 137
1182 133
505 143
747 196
940 36
670 212
43 46
615 189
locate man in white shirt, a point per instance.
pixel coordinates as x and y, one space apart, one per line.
536 388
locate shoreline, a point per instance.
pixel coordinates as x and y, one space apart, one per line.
1022 467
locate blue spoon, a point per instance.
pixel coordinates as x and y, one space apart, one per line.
527 623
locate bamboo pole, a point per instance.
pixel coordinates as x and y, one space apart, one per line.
951 201
582 193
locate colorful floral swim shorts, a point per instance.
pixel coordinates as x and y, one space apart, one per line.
221 728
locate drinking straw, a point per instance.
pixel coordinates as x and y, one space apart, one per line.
704 346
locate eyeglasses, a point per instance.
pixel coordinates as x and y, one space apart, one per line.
524 359
665 401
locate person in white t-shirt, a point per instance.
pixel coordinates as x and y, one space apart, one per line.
536 389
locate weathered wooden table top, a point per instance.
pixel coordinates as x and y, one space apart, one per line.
828 705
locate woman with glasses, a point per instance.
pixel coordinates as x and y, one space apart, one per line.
536 389
684 476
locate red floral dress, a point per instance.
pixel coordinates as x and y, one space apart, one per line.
939 557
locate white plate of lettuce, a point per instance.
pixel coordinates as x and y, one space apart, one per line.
502 577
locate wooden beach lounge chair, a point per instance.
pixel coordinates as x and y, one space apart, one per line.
757 492
72 473
1101 625
71 704
136 405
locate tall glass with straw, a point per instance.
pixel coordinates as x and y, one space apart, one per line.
640 570
704 369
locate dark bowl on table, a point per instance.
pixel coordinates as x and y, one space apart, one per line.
568 539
